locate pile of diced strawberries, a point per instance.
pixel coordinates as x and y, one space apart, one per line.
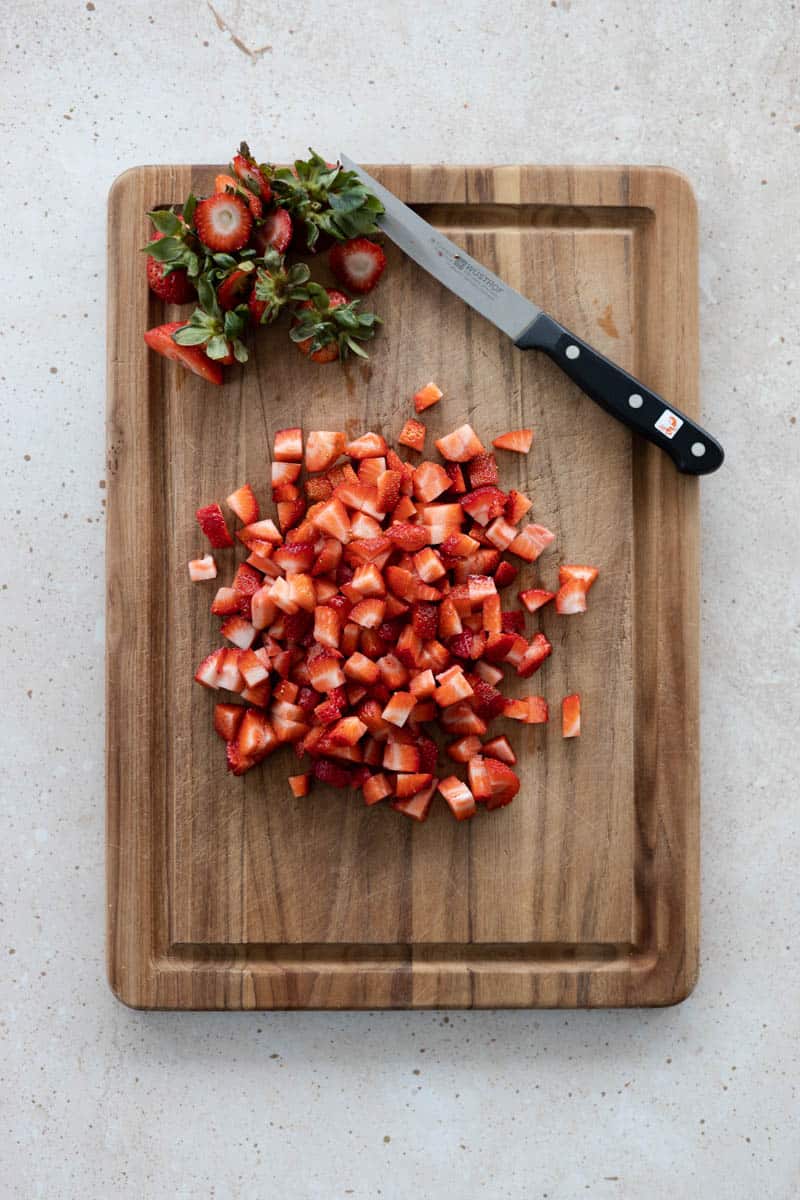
373 610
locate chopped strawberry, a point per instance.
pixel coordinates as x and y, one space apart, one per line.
407 537
398 709
479 779
357 264
239 631
256 737
323 447
203 568
413 435
520 440
535 598
262 531
397 756
482 470
531 541
212 523
571 716
425 620
461 445
332 773
484 504
376 788
227 719
459 797
288 446
223 222
300 784
533 710
456 477
539 649
369 445
244 504
430 480
427 396
347 731
332 519
501 533
500 747
194 358
503 783
368 613
416 807
411 784
516 507
464 748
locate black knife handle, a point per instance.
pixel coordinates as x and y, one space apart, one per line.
692 450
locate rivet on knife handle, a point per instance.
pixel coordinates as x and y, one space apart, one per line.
693 451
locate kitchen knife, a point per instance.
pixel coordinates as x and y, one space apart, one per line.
692 450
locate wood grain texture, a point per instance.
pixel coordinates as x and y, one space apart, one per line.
224 893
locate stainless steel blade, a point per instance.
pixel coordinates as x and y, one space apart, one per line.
475 284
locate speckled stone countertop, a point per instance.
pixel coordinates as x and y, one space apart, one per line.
99 1101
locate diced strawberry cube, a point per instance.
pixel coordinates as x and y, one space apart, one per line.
203 568
464 748
571 716
284 472
300 784
323 448
536 653
376 788
500 747
227 719
430 480
516 507
416 807
369 445
256 737
288 447
398 709
244 504
427 396
459 797
212 523
482 470
531 541
413 435
484 504
535 598
397 756
461 445
519 440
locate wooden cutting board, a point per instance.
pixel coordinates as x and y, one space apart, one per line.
225 893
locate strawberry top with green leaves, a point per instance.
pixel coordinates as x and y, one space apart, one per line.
327 199
254 177
328 326
277 286
170 283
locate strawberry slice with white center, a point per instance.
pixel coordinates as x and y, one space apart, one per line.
357 264
323 447
223 222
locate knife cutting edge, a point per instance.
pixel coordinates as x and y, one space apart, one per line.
692 449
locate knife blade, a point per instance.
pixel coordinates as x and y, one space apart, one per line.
693 450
